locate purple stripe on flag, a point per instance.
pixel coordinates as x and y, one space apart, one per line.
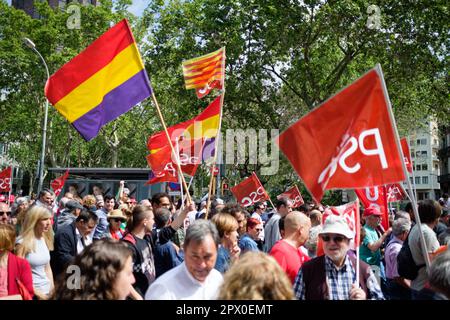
208 149
115 103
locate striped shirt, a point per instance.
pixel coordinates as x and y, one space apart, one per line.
339 282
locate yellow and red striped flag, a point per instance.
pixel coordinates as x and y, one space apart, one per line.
205 73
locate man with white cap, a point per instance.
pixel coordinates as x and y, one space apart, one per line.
333 275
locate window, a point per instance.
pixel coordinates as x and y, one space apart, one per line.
411 180
421 154
424 180
417 180
418 142
417 167
423 141
425 167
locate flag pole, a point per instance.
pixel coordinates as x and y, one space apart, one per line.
399 150
10 187
177 160
357 240
177 147
213 166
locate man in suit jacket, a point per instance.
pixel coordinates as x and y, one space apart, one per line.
71 239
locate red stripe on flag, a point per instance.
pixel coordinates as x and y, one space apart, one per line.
94 58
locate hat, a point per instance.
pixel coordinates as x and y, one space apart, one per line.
372 211
117 213
219 201
72 205
338 225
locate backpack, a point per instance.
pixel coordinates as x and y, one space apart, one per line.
406 266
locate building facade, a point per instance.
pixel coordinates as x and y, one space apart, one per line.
424 147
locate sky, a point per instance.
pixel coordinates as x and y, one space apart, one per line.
137 8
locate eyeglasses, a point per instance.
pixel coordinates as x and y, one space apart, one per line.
117 219
337 239
8 213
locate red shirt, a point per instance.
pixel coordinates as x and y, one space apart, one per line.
289 258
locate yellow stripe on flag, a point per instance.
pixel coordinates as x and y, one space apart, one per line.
91 92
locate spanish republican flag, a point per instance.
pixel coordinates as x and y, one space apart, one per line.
203 126
101 83
205 73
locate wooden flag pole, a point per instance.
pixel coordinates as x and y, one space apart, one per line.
213 167
177 160
405 171
179 177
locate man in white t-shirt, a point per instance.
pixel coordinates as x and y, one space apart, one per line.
195 278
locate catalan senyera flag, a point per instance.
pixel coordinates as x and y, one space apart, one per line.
101 83
203 126
205 73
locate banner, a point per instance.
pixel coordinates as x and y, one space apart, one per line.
347 142
406 154
294 195
5 180
101 83
249 191
395 192
376 197
58 183
205 73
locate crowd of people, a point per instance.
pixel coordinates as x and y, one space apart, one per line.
102 247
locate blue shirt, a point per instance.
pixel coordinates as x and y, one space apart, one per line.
223 259
246 243
339 281
102 225
365 254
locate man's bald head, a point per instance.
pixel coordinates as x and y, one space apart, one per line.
294 220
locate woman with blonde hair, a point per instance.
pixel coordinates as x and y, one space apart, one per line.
256 276
34 244
228 250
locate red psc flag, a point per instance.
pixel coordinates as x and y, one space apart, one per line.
59 182
395 192
347 142
376 197
406 155
249 191
5 180
294 195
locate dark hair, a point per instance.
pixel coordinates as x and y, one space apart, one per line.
233 208
429 211
99 264
86 215
44 191
156 199
409 207
138 215
283 201
303 208
162 216
108 197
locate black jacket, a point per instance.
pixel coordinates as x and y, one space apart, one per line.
65 248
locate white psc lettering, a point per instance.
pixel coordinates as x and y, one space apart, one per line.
253 197
5 183
355 144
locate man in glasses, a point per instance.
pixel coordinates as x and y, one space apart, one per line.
5 213
333 276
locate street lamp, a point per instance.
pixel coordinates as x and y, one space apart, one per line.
31 45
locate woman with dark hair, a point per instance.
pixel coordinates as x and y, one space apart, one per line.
429 213
105 271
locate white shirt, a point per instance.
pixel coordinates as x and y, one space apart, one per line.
87 241
179 284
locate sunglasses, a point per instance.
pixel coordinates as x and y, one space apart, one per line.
337 239
8 213
117 219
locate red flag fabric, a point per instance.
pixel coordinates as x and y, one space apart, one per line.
406 154
294 195
350 211
58 183
395 192
347 142
5 180
376 197
249 191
